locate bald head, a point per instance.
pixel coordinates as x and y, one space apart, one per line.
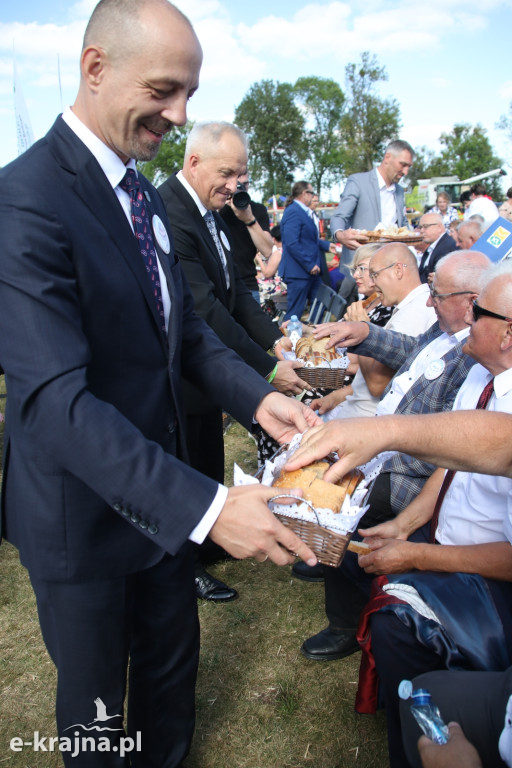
119 25
395 272
432 227
468 233
140 65
490 338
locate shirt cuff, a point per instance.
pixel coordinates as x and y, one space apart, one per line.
204 526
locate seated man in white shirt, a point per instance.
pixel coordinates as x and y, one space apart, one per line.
398 283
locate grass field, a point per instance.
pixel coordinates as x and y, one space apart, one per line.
260 704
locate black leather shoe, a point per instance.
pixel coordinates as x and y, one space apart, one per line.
308 572
329 645
209 588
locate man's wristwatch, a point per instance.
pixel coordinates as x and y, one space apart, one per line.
276 342
250 223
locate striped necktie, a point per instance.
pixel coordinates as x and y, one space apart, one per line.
210 223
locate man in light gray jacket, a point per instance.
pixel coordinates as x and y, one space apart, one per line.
373 197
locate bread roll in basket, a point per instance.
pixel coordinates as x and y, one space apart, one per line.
313 351
321 494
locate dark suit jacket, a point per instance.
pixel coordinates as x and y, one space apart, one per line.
445 245
397 350
302 246
233 314
91 488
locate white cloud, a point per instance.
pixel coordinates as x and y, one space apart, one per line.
505 90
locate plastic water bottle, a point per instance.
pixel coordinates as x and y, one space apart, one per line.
294 329
425 713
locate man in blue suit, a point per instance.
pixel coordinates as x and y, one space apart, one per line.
97 494
302 249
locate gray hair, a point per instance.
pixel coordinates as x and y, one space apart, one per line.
504 270
205 137
473 227
468 268
397 146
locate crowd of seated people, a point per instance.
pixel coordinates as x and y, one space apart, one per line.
448 545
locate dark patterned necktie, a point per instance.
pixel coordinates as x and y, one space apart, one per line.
210 223
483 401
144 235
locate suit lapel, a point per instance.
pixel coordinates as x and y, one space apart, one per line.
202 230
93 187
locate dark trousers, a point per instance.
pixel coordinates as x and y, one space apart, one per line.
400 655
475 700
205 445
92 630
347 588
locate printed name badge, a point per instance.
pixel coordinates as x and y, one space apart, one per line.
161 235
225 241
434 369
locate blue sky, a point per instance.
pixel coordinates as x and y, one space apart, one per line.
447 60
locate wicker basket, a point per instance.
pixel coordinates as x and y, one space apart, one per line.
328 546
329 378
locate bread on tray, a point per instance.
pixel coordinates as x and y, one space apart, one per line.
321 494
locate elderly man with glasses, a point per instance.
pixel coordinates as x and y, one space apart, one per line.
429 372
438 241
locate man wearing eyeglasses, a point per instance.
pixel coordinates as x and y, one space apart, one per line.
438 241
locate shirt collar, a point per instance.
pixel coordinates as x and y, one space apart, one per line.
193 194
382 184
111 165
304 207
503 383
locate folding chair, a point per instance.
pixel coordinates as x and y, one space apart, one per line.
338 306
321 305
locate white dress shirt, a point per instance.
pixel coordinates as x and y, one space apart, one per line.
388 210
410 316
428 362
477 508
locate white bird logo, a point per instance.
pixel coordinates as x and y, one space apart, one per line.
101 712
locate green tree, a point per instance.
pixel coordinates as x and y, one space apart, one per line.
370 122
467 152
275 128
321 101
505 123
170 156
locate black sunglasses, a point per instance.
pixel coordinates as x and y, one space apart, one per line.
479 312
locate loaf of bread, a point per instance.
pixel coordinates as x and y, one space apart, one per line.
313 350
322 494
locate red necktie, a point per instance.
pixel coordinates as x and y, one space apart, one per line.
143 233
483 400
